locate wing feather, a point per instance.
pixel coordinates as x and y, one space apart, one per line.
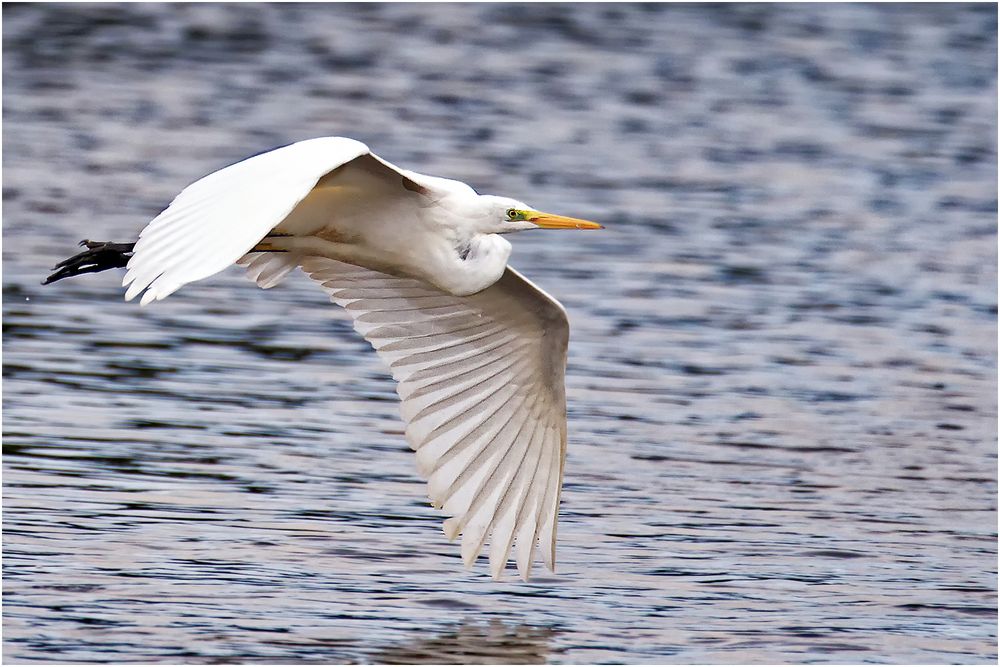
480 435
481 380
420 432
422 336
267 269
550 505
527 519
499 470
440 451
513 501
465 376
216 220
528 535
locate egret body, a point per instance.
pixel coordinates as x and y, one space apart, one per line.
478 351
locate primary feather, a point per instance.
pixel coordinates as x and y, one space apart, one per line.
216 220
481 383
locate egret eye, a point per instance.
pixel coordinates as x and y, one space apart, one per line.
512 214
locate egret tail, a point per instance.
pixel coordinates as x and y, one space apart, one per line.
99 256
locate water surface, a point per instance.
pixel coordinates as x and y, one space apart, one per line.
782 376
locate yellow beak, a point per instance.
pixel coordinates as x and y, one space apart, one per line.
551 221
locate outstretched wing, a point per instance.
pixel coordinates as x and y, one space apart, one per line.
481 379
216 220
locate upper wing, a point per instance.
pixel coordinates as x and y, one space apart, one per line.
481 379
216 220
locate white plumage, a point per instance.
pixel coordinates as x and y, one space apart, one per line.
478 351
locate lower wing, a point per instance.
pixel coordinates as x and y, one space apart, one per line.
481 379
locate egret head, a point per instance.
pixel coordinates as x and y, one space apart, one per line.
507 215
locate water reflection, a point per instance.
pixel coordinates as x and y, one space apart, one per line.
474 643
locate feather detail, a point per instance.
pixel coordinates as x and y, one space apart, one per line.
481 384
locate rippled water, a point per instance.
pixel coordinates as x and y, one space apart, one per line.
782 379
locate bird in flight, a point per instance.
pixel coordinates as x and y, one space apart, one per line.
420 264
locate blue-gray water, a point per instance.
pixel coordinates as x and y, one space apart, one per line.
782 377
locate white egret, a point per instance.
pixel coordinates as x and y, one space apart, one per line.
478 351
